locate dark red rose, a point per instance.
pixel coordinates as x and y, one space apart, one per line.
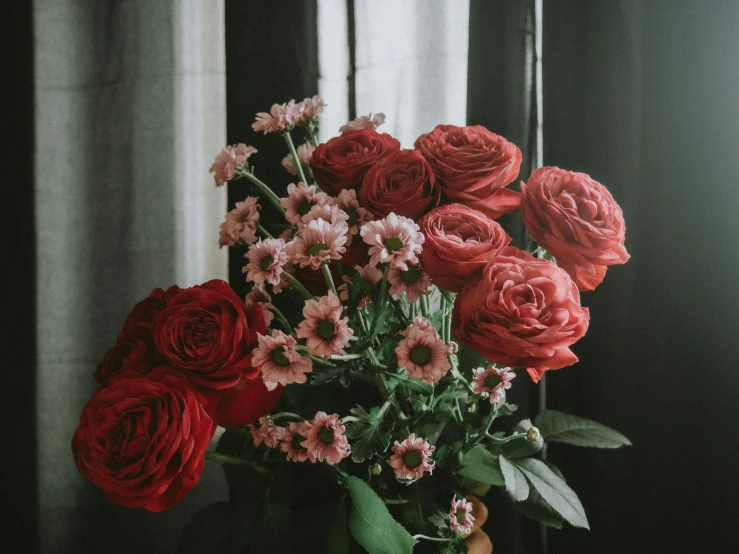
134 354
459 243
402 183
205 333
521 313
246 402
342 162
143 440
473 167
144 314
576 220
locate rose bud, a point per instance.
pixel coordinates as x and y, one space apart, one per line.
577 221
459 243
473 167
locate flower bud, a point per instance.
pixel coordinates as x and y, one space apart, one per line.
532 434
376 469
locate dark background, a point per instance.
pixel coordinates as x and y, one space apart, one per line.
641 95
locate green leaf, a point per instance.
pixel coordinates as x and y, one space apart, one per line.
559 427
554 491
522 447
482 466
368 433
515 482
469 359
536 508
220 527
412 384
371 524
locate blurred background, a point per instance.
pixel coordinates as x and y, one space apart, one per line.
114 110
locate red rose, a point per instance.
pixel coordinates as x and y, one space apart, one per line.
205 333
144 314
313 279
342 162
576 220
402 183
459 243
473 166
521 313
134 354
143 440
246 402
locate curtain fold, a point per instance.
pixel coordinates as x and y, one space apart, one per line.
129 114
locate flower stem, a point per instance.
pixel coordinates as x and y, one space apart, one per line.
282 415
264 189
225 459
282 319
294 153
436 539
329 279
348 357
425 306
264 231
380 300
297 285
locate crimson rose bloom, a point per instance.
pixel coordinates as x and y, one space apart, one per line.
576 220
342 162
402 182
144 314
459 243
473 166
205 332
521 313
134 354
143 440
246 402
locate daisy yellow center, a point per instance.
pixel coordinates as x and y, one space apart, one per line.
326 330
316 249
493 380
411 275
266 262
353 216
393 244
304 207
326 434
420 355
412 459
278 357
461 516
297 439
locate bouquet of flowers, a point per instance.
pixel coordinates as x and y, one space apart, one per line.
362 382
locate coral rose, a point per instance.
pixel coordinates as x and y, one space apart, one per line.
143 440
342 162
473 166
459 243
521 313
402 182
577 221
208 333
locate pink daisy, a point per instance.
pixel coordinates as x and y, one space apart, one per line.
267 433
278 360
317 242
292 442
364 122
240 223
311 108
266 261
394 239
305 152
325 439
281 117
414 282
327 212
412 457
493 381
423 354
258 294
323 327
358 216
227 160
460 516
369 275
300 199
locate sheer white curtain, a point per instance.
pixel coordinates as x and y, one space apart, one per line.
130 111
411 63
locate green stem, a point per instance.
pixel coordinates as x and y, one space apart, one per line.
391 501
282 415
265 190
348 357
329 279
297 285
380 300
436 539
264 231
225 459
281 317
294 153
425 306
506 439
